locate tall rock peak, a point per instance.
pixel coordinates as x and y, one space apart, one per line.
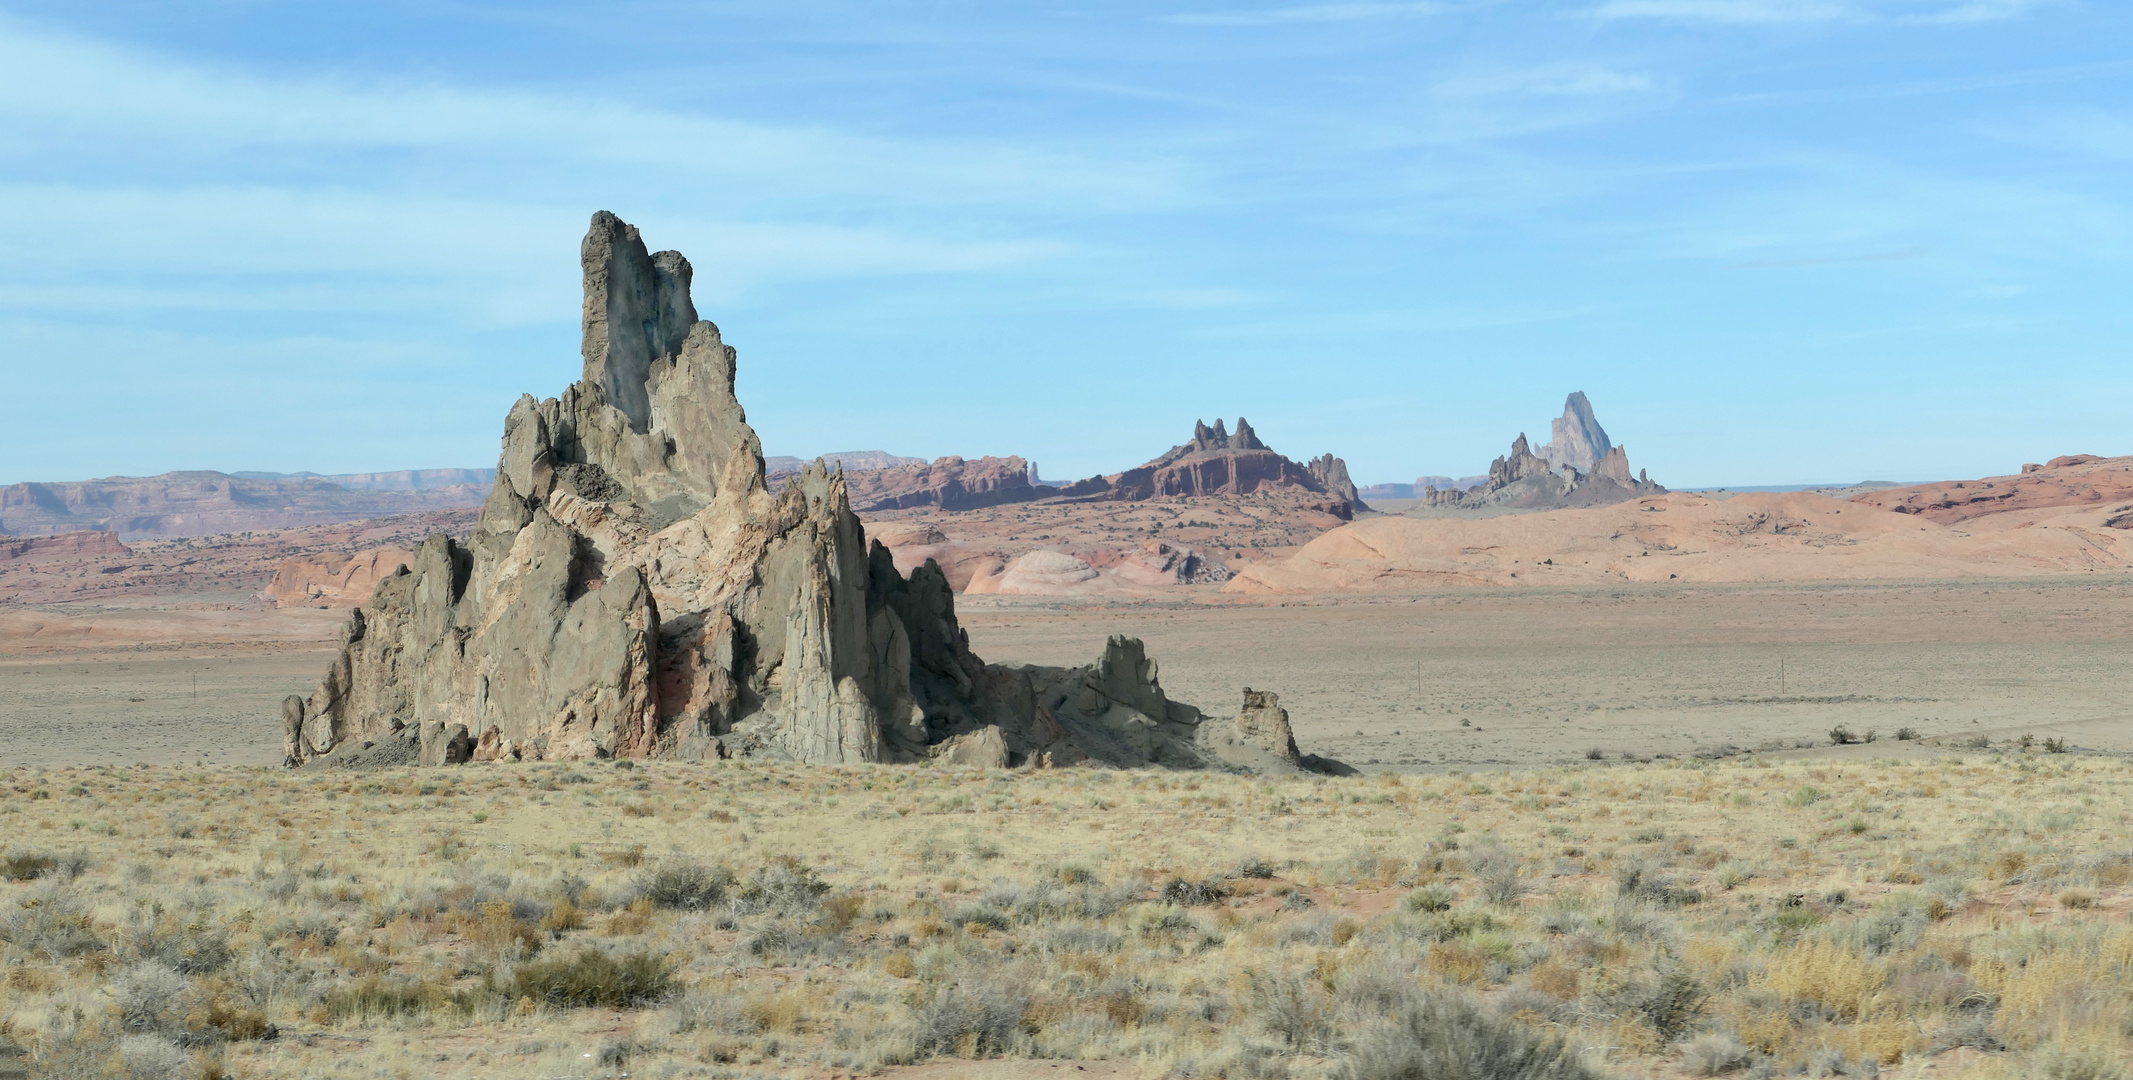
1576 438
634 588
637 310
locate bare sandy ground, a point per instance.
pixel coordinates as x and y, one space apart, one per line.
1471 678
1480 678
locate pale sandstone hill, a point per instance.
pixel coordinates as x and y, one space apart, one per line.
2073 480
633 588
1144 548
1692 538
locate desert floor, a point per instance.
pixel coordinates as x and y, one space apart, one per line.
1472 678
1964 917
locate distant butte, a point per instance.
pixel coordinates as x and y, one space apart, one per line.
1217 462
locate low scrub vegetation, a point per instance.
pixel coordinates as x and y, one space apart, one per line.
1698 917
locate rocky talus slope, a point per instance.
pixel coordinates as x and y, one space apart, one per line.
634 588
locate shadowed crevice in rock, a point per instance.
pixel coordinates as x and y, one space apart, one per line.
634 588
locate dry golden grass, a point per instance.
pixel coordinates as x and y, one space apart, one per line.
750 919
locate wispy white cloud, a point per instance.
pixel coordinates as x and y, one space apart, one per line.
138 105
1308 13
1810 11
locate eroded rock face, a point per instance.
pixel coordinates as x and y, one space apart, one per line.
332 580
951 483
1332 475
1216 462
634 588
1524 480
86 546
1576 438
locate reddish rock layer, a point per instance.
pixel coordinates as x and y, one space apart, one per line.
951 483
2073 480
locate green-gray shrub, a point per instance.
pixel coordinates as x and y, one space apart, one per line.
1444 1035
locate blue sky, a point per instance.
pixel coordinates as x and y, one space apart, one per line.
1776 241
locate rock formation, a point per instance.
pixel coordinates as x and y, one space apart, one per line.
950 483
1216 462
1523 480
1578 467
329 579
851 461
633 588
1575 438
1332 475
93 546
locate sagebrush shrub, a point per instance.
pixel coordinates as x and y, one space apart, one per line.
594 978
982 1021
1444 1035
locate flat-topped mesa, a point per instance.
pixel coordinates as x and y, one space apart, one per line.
1217 462
633 588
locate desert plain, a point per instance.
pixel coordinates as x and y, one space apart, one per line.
1481 678
1602 831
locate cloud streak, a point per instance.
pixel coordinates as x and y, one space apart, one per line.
1818 11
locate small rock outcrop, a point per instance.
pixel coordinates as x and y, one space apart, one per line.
329 579
1217 462
1332 475
634 588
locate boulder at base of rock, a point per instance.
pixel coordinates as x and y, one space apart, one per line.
1259 739
985 748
